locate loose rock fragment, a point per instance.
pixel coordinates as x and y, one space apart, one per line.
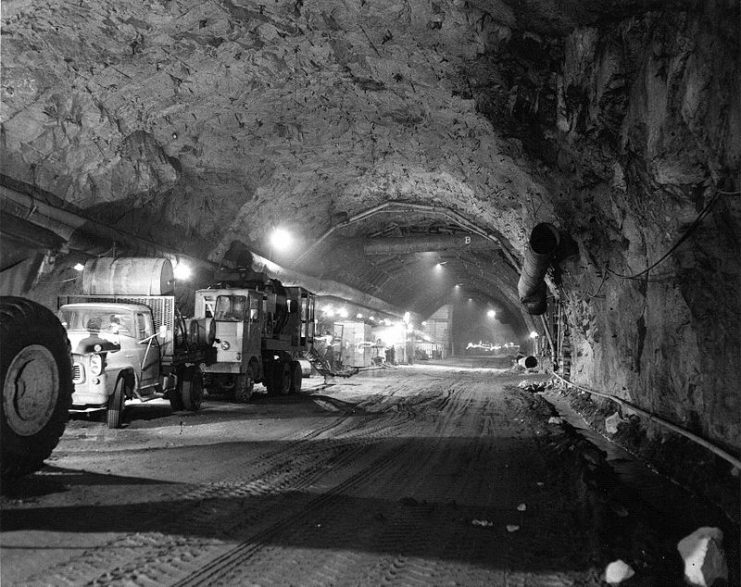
611 423
703 555
617 572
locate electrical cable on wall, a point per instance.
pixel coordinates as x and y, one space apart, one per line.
700 217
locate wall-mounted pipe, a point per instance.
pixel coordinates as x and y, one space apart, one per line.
734 460
427 243
532 289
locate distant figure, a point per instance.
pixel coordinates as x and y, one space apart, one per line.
330 356
391 355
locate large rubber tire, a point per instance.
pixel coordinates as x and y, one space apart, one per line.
191 390
116 403
282 377
244 388
297 376
36 379
174 395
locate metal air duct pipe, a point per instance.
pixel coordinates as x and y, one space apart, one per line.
529 362
424 244
541 248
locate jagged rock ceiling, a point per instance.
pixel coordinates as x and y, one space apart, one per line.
221 120
197 124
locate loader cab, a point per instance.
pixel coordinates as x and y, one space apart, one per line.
238 317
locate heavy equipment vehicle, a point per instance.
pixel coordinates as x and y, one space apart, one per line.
261 330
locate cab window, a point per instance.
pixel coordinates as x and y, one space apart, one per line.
230 308
144 325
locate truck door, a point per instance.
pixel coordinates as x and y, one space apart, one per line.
150 350
253 326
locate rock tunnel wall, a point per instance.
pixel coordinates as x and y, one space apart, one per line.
640 120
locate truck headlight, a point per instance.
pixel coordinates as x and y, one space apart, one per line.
96 365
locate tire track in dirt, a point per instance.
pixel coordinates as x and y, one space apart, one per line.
333 567
135 551
225 569
215 509
410 531
386 496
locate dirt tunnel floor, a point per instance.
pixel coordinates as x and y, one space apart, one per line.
424 475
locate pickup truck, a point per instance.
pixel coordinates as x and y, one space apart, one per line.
127 347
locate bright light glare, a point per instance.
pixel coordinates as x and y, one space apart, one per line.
182 272
343 313
534 334
359 316
491 313
281 239
79 267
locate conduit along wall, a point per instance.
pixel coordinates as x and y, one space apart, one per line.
542 246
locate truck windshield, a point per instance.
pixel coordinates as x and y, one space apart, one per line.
96 321
230 308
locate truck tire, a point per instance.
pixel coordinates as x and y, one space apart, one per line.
36 378
175 402
245 387
116 403
297 375
191 390
282 377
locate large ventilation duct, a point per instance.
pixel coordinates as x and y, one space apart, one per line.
424 244
541 249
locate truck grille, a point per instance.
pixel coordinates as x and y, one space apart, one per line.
78 373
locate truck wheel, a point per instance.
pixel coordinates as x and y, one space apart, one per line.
282 377
36 376
116 403
297 376
191 391
245 386
175 402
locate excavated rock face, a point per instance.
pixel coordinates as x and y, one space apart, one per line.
200 124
